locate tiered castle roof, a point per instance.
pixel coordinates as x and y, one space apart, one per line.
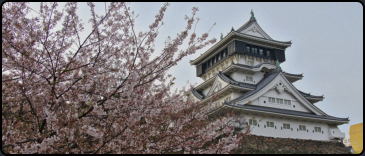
252 33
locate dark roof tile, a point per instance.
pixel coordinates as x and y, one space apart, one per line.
289 112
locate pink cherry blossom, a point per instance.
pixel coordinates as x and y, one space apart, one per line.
101 94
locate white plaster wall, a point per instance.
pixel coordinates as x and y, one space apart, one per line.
221 100
335 132
236 94
206 90
233 75
254 34
262 101
285 95
226 96
255 31
288 133
256 60
241 76
242 59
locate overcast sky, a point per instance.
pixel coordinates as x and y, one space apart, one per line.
327 44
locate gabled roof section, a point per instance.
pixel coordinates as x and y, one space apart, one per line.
213 82
268 78
231 82
253 28
256 68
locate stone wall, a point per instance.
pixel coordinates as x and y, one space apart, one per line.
258 144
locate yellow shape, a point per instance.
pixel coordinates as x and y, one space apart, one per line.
356 137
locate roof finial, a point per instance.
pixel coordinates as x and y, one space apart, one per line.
232 29
252 15
221 36
277 64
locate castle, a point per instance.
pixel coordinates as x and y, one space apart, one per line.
242 71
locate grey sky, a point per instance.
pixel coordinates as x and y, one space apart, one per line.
327 43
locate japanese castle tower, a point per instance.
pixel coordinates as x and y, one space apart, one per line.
242 71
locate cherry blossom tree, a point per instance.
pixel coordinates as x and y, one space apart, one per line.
102 94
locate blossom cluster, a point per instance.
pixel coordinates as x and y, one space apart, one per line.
63 94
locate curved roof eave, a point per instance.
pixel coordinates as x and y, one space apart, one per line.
205 99
197 60
231 83
234 33
197 94
286 112
258 67
308 95
207 82
234 82
281 43
294 75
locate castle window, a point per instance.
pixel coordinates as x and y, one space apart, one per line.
287 102
279 100
253 122
249 78
271 100
302 128
269 124
224 54
248 49
268 53
261 52
286 126
254 50
219 57
317 129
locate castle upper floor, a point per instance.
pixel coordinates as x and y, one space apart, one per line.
249 41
